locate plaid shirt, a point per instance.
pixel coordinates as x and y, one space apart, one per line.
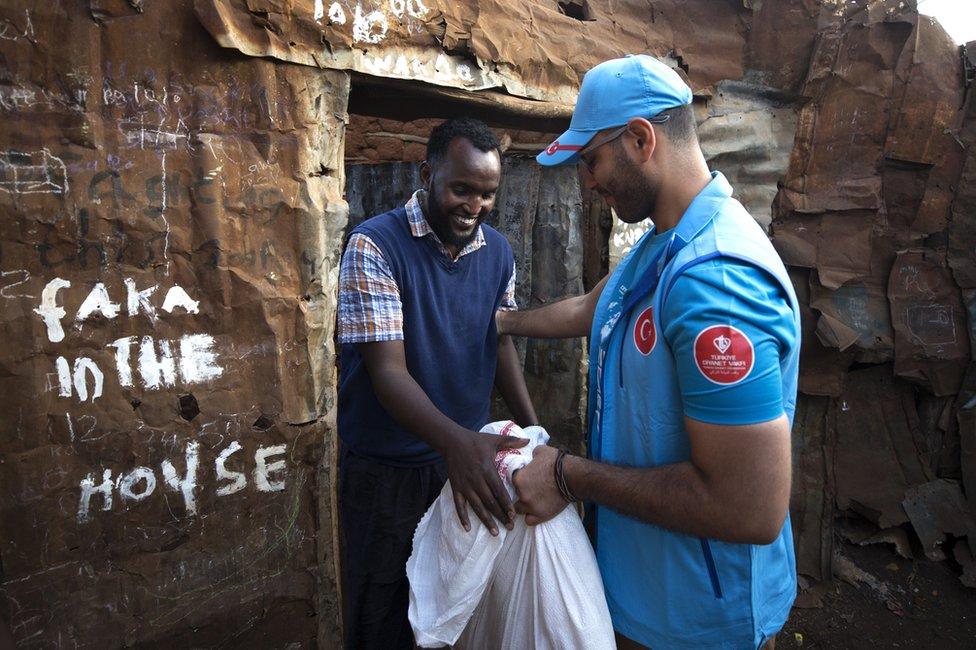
369 298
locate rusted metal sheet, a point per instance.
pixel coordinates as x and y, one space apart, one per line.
931 338
962 230
823 369
375 189
168 210
856 317
870 174
812 499
555 370
966 420
875 458
746 130
851 82
597 225
516 207
781 39
935 509
537 49
865 209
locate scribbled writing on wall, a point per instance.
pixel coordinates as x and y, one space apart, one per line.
422 64
112 224
10 30
138 484
160 363
35 172
153 364
371 24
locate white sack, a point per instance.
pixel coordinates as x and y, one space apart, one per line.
532 587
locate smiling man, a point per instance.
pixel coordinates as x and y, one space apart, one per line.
694 347
418 290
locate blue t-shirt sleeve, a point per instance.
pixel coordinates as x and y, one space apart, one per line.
728 324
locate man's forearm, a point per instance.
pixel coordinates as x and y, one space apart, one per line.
560 320
469 455
567 318
510 382
677 497
402 397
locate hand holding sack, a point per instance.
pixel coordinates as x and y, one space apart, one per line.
531 587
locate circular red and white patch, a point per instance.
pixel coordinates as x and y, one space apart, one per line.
645 335
724 354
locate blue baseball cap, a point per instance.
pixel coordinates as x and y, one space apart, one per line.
611 94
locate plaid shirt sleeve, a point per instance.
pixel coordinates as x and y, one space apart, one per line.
369 298
508 299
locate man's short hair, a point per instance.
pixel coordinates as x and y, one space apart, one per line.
474 131
680 128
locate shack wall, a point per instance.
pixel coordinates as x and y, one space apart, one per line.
171 219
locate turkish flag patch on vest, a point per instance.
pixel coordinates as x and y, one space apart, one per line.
724 354
645 336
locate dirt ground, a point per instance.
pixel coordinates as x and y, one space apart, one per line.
895 603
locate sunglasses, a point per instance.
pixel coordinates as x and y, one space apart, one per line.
585 154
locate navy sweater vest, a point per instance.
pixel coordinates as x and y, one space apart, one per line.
450 339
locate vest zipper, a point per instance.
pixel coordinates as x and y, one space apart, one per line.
625 318
710 565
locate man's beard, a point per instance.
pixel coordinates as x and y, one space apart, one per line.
440 224
633 194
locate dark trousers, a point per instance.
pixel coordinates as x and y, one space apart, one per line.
379 509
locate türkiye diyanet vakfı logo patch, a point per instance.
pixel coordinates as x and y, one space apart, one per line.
724 354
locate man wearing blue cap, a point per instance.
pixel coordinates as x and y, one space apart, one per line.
694 347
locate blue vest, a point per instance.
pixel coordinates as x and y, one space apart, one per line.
450 339
667 589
